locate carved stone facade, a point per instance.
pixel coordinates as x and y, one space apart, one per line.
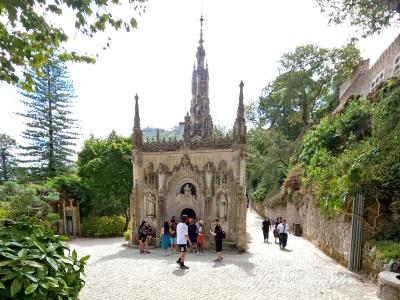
201 176
364 79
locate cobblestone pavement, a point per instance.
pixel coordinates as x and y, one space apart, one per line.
115 271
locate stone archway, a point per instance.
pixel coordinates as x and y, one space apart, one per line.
189 212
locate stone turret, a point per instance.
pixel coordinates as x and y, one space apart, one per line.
240 129
137 131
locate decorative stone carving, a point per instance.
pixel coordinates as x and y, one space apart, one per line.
222 207
209 173
162 174
150 205
186 197
149 175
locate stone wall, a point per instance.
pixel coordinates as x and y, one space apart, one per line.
331 235
364 79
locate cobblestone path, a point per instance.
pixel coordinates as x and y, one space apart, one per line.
303 272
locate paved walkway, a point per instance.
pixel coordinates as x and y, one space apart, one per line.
304 272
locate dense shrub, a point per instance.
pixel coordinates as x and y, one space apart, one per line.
387 249
260 194
126 235
36 264
103 226
335 133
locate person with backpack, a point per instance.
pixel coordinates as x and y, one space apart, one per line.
142 237
193 232
219 235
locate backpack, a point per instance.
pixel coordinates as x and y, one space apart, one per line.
223 234
140 232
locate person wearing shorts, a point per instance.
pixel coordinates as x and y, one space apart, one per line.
182 238
172 236
218 234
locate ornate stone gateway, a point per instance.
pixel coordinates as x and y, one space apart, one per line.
201 176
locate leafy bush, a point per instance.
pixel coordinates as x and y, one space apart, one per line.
335 133
34 265
126 235
103 226
386 249
27 200
260 194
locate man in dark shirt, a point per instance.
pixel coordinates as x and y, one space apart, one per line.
266 227
219 235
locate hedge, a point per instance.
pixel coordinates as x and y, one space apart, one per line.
103 226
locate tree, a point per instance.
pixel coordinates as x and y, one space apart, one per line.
307 86
28 34
7 159
371 15
50 127
106 172
268 158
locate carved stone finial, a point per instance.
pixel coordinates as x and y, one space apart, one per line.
137 131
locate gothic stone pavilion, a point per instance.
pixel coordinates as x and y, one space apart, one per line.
201 176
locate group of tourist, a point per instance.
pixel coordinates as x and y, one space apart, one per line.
187 235
280 232
196 234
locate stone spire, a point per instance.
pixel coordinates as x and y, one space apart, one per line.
200 124
240 129
137 131
201 53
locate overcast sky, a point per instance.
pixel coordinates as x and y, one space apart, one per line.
243 41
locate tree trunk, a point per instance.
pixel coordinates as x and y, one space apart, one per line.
304 107
4 163
52 168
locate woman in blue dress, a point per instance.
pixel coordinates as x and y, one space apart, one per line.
165 237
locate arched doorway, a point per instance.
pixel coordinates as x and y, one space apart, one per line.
189 212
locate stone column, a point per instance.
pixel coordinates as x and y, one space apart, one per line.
159 218
241 201
208 219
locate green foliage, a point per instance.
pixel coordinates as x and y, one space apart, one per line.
306 88
150 133
371 15
29 36
260 194
34 264
386 249
50 133
27 200
72 187
357 148
268 155
126 235
7 158
106 173
103 226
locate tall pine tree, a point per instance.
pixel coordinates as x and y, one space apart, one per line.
50 133
7 159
